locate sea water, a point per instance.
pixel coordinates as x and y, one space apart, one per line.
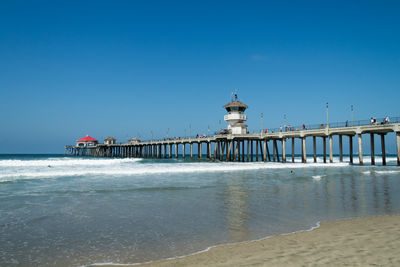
74 211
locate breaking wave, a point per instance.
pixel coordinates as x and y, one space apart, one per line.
13 170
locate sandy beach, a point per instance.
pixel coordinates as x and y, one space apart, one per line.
355 242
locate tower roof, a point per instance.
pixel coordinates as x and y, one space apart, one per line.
235 103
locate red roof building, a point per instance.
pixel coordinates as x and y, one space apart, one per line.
87 141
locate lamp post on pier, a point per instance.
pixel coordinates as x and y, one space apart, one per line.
261 122
284 122
327 117
352 116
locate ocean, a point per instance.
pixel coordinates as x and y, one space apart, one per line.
79 211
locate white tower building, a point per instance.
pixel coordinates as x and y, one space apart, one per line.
235 117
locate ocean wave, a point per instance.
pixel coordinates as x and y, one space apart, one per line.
318 177
162 168
387 172
64 162
122 190
381 172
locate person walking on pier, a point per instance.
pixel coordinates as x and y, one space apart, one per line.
386 120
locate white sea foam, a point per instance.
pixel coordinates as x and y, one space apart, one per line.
11 170
318 177
64 162
381 172
387 172
105 168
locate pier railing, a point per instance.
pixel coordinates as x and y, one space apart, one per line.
289 128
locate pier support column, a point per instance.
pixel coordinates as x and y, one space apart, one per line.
324 148
176 150
209 149
398 147
383 149
283 150
248 149
239 151
268 155
236 151
265 151
218 150
273 150
314 139
330 149
276 150
215 150
256 150
251 150
351 148
191 150
292 149
340 148
233 151
228 155
183 150
225 150
199 149
243 150
372 149
360 152
303 150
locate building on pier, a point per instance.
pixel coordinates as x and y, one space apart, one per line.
110 141
134 141
236 117
86 142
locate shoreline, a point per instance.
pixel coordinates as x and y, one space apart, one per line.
357 241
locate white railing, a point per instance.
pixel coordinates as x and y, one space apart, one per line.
235 117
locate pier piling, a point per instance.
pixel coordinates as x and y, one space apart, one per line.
372 149
360 152
383 149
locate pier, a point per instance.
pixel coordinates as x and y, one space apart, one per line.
256 146
237 144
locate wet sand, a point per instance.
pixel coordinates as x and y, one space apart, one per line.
355 242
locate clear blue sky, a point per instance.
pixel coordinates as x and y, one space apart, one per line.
126 68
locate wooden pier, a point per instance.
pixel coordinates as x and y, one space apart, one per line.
250 147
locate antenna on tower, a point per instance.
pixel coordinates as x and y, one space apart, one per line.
236 91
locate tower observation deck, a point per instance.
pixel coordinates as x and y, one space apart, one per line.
236 117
